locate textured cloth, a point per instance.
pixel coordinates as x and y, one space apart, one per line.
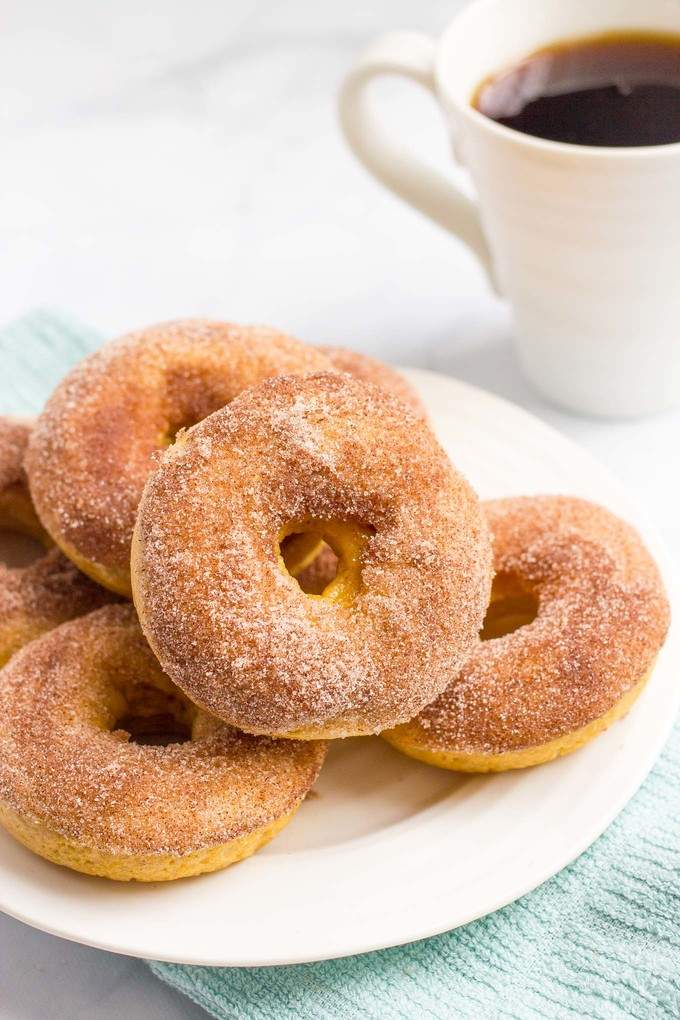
601 940
36 352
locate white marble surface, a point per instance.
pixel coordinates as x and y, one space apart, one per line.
174 158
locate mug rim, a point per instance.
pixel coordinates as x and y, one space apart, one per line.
519 138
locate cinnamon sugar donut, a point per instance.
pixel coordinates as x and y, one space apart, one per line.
577 616
50 590
77 788
328 455
98 437
371 370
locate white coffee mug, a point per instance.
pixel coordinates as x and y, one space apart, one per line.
583 241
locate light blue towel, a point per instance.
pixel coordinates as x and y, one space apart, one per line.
600 941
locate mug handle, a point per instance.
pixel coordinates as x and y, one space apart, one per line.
410 54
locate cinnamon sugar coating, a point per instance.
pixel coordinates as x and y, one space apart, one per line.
229 624
65 765
14 433
50 590
602 618
371 370
99 435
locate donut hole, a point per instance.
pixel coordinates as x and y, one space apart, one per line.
318 574
169 435
18 550
192 391
513 605
330 567
23 540
298 550
153 715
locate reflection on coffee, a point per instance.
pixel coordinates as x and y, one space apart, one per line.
618 89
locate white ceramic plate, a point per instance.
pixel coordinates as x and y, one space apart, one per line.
386 850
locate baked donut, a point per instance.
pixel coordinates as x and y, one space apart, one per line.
327 455
49 590
314 564
371 370
578 614
88 779
96 441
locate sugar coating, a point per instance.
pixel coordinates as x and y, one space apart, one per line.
371 370
48 591
14 433
63 763
602 618
101 430
236 632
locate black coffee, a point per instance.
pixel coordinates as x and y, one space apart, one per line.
615 89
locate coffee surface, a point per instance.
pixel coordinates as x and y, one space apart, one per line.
615 90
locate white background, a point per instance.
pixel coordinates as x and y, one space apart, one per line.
173 158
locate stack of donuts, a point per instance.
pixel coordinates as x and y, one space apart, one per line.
252 547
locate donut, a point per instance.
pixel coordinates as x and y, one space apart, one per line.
578 614
106 768
371 370
304 558
49 590
328 455
97 439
